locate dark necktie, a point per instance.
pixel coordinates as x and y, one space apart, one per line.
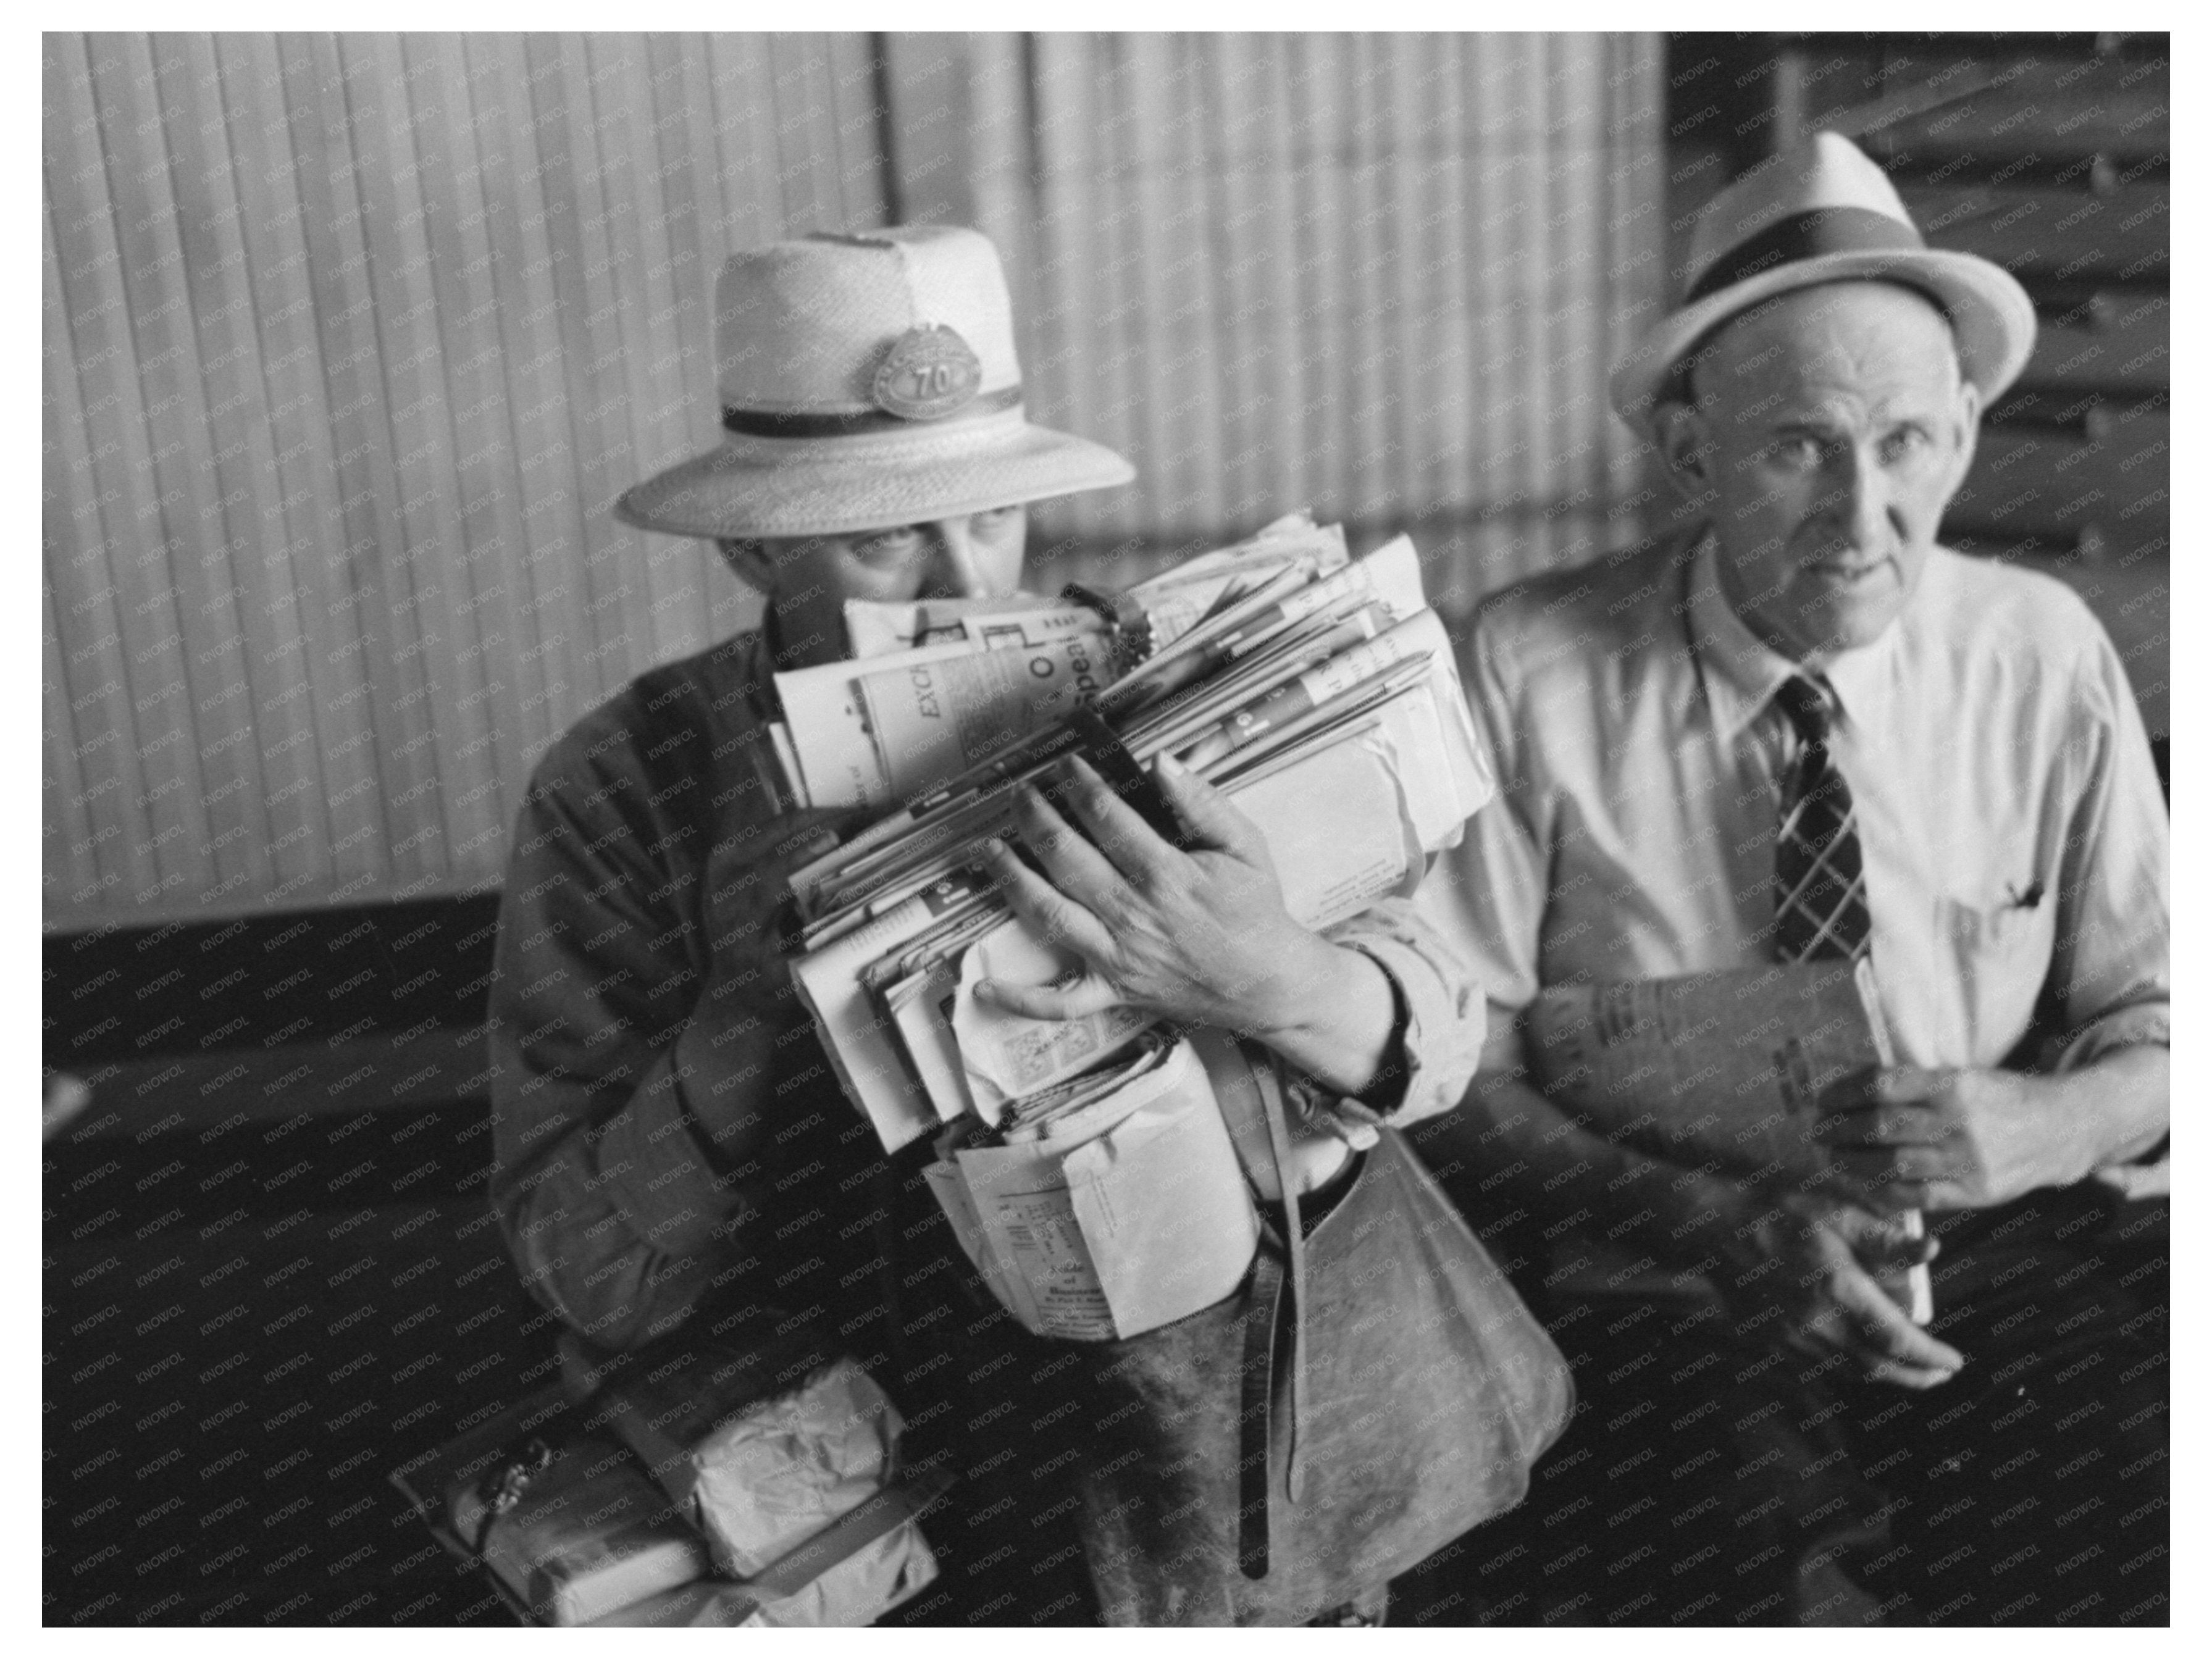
1820 887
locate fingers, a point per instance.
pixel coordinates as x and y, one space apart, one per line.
1076 867
1886 1243
1886 1125
1133 847
1088 995
1052 918
1894 1349
1884 1173
1211 817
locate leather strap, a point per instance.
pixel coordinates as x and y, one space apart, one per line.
1262 1309
1272 1328
1278 1135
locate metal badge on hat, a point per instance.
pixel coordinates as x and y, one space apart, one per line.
929 372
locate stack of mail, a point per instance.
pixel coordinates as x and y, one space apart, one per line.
1318 692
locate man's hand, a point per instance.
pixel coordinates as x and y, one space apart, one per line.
1907 1138
1804 1275
1201 936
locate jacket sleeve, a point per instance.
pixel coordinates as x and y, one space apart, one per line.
1439 1004
630 1057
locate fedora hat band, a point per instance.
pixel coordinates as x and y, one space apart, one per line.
1805 236
770 423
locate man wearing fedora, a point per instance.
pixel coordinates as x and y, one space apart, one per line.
1804 729
674 1162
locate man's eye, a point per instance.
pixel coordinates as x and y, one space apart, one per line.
1799 451
1904 444
888 546
992 520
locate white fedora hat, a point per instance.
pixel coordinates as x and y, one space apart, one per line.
865 381
1822 212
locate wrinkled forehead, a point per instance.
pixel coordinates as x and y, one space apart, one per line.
1857 340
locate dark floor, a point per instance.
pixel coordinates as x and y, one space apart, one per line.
246 1329
248 1326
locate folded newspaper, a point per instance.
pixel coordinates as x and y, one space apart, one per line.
1083 1162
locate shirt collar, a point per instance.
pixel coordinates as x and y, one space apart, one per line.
1742 672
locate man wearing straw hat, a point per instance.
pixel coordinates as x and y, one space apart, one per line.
673 1159
1803 729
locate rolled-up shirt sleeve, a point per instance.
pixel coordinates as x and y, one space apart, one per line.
2112 960
1440 1006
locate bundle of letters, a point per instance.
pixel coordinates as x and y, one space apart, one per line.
1084 1164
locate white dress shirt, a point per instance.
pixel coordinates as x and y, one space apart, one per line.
2014 833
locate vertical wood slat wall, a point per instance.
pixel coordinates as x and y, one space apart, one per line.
350 342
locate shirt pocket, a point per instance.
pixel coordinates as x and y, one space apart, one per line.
1997 953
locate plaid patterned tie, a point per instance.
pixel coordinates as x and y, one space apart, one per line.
1820 889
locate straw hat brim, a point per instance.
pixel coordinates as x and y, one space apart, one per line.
753 487
1991 317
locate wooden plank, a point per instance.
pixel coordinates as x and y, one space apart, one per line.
626 238
2065 234
216 712
805 133
744 84
996 144
279 764
1069 283
422 560
850 104
555 623
1636 218
931 119
1119 289
1439 335
1234 207
2047 112
1185 333
127 564
86 701
2026 482
317 602
1319 95
401 811
2119 346
486 552
698 243
68 857
1280 251
616 621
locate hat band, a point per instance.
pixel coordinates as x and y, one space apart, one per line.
768 423
1807 236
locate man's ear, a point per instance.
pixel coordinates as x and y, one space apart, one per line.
749 561
1685 447
1969 416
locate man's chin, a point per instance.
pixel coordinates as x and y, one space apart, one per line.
1848 617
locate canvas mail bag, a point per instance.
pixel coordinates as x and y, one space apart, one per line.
1371 1392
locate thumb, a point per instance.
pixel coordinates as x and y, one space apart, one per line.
1883 1241
1211 817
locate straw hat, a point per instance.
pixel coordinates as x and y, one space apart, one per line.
865 381
1822 212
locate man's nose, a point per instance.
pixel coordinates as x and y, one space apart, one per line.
956 569
1859 507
